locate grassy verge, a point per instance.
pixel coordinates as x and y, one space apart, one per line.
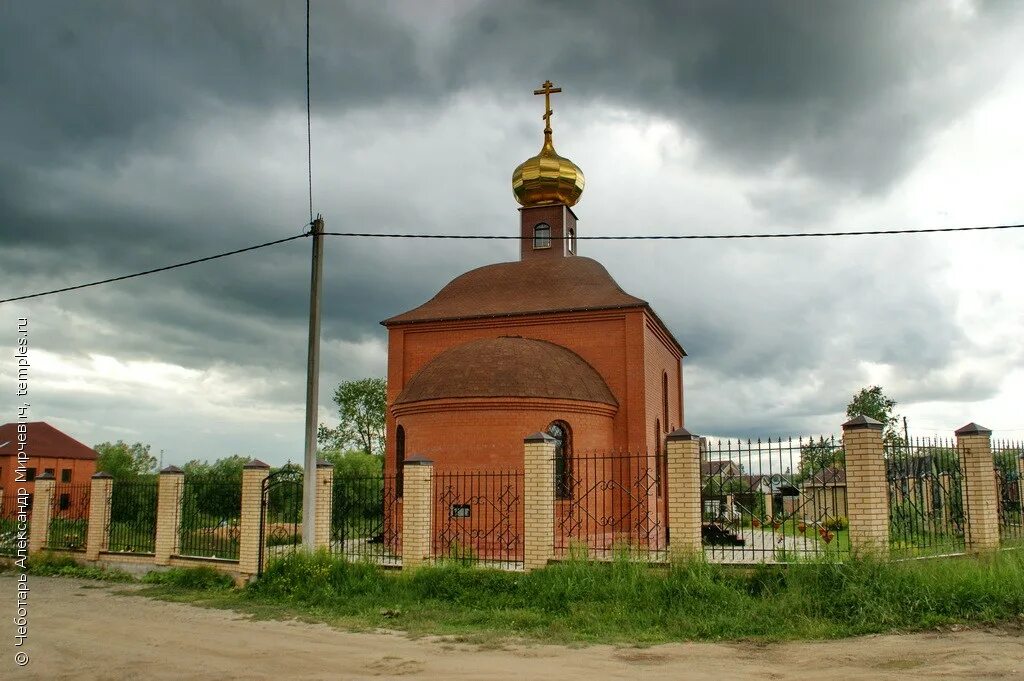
630 603
55 565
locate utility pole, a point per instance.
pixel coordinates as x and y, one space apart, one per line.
312 388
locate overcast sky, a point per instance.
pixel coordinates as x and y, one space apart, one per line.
136 135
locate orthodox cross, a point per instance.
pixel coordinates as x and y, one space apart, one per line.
547 91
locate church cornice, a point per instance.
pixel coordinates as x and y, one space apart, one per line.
505 403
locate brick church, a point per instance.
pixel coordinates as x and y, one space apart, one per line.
546 343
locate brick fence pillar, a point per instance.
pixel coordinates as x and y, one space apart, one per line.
250 537
538 500
168 514
867 490
981 510
684 511
417 510
42 507
98 537
324 503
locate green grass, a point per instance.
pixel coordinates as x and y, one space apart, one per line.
623 602
132 537
54 565
67 534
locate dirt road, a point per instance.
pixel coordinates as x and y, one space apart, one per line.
81 630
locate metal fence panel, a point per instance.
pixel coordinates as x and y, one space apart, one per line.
478 518
131 525
1008 464
927 497
209 522
773 501
365 519
69 516
611 504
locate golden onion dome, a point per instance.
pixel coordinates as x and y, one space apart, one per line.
547 178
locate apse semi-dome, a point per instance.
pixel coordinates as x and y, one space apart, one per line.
508 366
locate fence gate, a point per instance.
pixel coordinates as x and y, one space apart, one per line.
280 514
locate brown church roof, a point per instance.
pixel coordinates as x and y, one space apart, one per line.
43 440
524 287
508 366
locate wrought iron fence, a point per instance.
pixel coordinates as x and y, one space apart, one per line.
773 501
8 524
210 513
365 522
1008 462
280 513
69 516
927 497
611 504
478 517
131 525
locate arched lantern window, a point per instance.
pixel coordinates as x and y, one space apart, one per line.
559 430
542 236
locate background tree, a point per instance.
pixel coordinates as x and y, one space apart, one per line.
124 461
227 468
354 463
361 407
817 456
874 403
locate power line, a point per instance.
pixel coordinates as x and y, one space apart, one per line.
309 127
679 237
664 237
155 270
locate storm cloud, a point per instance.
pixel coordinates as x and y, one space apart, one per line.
139 135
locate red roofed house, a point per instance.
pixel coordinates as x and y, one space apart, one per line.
547 343
49 451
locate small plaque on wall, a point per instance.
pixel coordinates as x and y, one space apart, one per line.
460 510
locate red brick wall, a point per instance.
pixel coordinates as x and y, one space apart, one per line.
489 436
625 347
82 471
560 218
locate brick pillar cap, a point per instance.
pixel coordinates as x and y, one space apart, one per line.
418 460
681 434
47 475
973 428
256 463
538 437
172 470
102 475
324 463
862 421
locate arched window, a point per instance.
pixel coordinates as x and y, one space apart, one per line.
542 236
563 457
664 397
572 241
657 456
399 461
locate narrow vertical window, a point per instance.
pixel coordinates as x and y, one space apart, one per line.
399 461
657 456
572 241
542 236
559 430
664 397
